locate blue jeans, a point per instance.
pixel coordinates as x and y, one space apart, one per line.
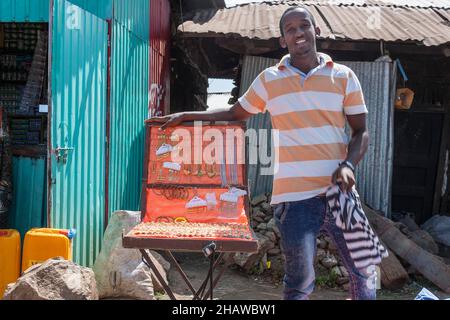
300 223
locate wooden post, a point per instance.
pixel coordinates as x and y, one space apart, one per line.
429 265
393 275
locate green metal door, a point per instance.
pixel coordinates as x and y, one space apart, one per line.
78 126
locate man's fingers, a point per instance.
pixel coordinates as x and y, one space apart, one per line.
166 124
158 119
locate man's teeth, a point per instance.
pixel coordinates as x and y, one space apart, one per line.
300 41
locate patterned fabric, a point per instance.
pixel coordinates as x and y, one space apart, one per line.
364 246
309 111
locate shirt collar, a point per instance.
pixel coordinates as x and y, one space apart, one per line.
284 62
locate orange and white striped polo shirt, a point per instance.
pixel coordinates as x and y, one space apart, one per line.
310 116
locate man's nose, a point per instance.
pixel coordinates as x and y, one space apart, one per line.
299 32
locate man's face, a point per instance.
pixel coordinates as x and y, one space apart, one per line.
299 33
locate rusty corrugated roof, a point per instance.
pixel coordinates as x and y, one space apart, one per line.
418 22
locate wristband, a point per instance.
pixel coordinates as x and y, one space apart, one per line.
348 164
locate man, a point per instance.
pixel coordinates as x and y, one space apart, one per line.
309 98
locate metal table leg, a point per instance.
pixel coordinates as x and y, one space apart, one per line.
200 293
161 280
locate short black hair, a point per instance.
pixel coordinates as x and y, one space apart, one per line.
288 10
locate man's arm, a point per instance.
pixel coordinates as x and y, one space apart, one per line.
356 150
233 113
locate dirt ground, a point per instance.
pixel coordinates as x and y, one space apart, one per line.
236 285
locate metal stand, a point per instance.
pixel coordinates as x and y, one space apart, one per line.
199 294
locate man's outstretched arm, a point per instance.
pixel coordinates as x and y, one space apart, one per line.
233 113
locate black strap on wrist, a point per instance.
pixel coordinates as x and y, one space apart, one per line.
347 164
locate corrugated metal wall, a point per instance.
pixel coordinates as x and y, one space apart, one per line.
160 57
133 15
38 10
24 10
29 206
129 104
78 121
374 173
251 67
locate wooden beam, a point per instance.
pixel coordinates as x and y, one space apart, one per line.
428 264
437 198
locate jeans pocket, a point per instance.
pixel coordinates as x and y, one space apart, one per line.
279 211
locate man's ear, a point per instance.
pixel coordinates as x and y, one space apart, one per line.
317 31
283 43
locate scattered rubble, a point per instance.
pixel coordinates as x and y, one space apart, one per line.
55 279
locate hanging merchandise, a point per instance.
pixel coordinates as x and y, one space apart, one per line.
164 151
404 96
196 206
211 200
174 171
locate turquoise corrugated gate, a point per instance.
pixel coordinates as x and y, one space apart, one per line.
78 126
29 204
24 10
129 102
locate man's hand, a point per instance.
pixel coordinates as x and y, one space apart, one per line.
344 177
170 120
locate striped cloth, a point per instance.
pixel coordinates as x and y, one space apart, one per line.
363 244
309 111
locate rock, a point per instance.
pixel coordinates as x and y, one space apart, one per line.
344 271
273 252
322 244
258 199
346 286
258 219
329 262
321 254
258 213
267 218
248 260
55 279
120 272
337 271
262 226
332 247
342 280
266 208
254 224
272 236
271 225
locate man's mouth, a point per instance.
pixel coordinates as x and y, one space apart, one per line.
300 41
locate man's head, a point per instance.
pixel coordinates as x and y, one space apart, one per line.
298 31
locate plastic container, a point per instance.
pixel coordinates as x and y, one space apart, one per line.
41 244
9 258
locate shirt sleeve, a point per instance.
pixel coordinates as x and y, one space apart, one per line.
255 99
354 98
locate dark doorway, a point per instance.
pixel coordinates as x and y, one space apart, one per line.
416 152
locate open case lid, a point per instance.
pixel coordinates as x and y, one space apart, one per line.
194 188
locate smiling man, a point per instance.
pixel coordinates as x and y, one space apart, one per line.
310 98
